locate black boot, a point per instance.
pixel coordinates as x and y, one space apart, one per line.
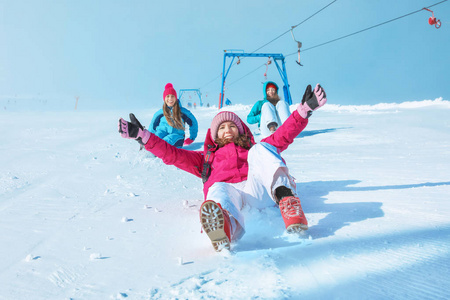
281 192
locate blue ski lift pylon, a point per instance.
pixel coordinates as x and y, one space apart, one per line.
275 56
197 91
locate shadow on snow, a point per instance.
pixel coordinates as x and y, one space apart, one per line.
265 227
306 133
313 196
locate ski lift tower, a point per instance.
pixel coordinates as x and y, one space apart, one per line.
181 91
277 57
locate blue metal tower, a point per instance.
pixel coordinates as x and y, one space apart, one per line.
276 57
181 91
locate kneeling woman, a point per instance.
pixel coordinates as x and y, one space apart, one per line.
169 122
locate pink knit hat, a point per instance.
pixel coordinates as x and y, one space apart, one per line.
169 90
225 116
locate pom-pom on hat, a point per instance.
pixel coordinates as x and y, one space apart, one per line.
225 116
169 90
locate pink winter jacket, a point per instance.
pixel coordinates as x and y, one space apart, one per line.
228 163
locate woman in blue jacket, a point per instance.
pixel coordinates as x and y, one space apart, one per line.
169 122
270 112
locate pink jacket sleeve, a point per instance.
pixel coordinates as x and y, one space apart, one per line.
287 132
186 160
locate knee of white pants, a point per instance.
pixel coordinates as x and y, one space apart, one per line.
268 115
264 151
267 170
283 111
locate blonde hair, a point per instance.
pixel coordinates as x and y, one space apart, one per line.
173 116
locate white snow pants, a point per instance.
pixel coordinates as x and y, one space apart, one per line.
271 113
267 171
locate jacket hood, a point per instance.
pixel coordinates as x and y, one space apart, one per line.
265 88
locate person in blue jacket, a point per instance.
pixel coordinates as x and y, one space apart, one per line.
270 112
169 122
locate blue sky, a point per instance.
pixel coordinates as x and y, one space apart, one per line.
112 52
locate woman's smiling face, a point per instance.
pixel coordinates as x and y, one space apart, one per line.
228 130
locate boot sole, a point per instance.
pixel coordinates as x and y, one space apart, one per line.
296 228
213 222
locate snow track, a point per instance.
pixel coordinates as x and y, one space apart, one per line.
85 215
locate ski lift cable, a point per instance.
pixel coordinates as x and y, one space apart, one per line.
235 63
340 38
328 42
247 74
287 31
217 77
290 30
365 29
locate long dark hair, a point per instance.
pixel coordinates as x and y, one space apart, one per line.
242 140
173 117
274 100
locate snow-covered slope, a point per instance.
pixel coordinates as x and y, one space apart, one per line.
85 215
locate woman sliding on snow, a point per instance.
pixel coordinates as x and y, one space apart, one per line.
169 122
236 171
270 112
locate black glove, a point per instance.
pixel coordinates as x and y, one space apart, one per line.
133 130
312 100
